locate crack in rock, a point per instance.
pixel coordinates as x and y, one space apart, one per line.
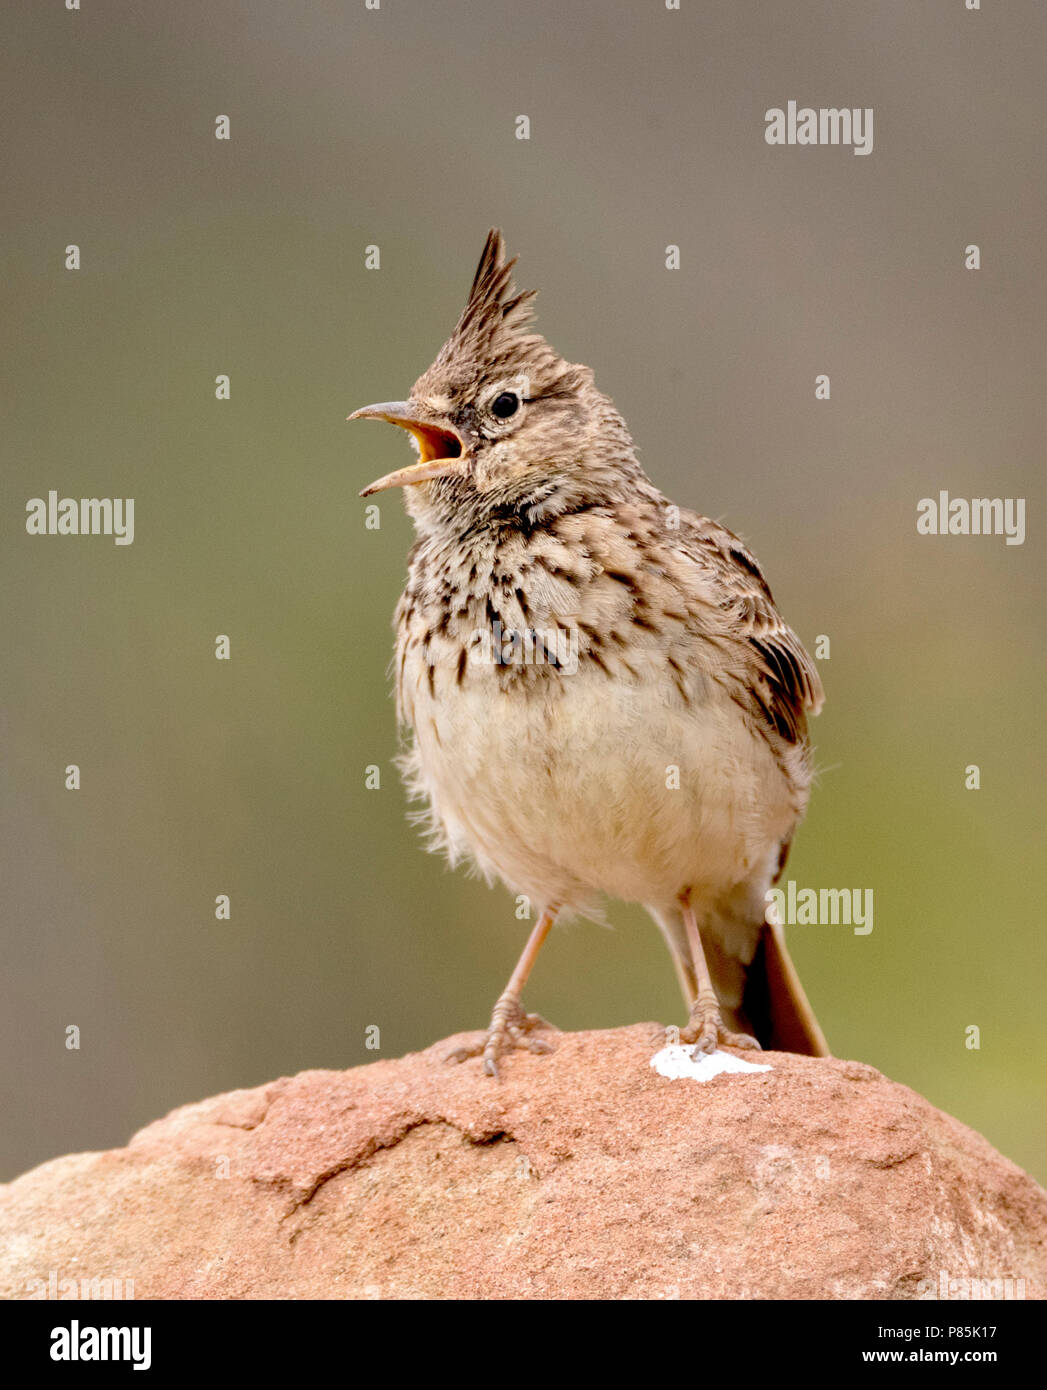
369 1150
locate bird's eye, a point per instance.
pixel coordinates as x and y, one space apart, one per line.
505 405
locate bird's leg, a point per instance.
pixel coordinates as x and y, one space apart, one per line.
685 975
510 1026
705 1028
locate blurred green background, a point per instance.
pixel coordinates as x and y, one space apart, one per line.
396 127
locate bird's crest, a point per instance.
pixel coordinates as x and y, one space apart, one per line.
492 329
494 307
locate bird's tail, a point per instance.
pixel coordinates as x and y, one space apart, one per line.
779 1013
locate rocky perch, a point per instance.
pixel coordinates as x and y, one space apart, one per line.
583 1174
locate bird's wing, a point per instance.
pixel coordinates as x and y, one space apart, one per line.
766 666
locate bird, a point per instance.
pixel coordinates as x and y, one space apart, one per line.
597 694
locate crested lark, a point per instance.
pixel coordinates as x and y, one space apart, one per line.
601 695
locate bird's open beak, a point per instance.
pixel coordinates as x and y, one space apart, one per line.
441 450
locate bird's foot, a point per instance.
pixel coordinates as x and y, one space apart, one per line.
706 1030
510 1028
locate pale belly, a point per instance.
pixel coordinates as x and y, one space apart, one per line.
607 788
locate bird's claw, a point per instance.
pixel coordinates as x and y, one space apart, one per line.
707 1032
510 1028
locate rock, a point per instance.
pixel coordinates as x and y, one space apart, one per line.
583 1174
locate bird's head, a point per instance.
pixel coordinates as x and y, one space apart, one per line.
501 423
